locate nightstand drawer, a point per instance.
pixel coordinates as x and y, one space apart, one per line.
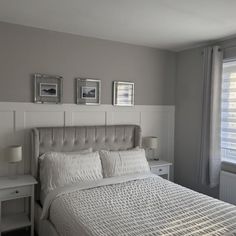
10 193
160 170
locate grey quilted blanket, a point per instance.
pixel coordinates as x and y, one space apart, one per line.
147 205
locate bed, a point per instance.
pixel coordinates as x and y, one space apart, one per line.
134 204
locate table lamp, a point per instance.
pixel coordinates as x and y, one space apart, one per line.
151 143
13 156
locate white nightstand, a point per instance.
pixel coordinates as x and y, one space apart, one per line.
10 189
160 167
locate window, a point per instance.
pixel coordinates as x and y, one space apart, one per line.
228 112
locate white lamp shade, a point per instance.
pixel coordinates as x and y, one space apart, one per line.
14 154
150 142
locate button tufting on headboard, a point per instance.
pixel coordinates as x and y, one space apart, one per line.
67 139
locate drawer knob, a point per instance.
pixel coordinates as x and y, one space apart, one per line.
17 191
160 169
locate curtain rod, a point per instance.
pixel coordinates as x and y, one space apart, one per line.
221 48
226 47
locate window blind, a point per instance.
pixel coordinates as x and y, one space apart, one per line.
228 112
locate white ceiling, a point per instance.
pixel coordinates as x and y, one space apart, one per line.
167 24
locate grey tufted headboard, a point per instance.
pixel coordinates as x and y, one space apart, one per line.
66 139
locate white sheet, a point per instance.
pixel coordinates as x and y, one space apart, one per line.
137 205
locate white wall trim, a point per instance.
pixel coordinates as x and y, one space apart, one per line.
18 118
18 106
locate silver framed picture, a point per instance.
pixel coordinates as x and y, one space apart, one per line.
88 91
47 88
123 93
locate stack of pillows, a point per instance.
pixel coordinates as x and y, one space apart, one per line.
58 169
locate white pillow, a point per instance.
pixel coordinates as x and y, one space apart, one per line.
83 151
117 163
59 169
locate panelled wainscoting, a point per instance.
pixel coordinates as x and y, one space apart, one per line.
18 118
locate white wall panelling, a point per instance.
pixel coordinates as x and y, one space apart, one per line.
18 118
89 118
120 116
7 127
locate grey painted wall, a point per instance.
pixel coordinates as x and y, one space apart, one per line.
189 88
25 50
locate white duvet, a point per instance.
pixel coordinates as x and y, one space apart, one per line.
136 205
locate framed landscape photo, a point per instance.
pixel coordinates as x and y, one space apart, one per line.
123 93
47 88
88 91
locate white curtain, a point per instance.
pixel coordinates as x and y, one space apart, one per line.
210 161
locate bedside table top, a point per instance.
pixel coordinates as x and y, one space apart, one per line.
153 163
20 180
